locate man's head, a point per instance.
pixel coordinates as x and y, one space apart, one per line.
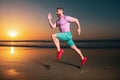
59 11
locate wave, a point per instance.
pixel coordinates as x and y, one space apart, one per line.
90 40
85 44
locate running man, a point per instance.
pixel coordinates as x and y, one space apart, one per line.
63 22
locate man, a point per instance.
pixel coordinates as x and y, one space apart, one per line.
63 23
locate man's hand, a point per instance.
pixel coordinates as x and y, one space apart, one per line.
50 22
49 16
78 30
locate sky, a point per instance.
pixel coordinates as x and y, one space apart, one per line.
99 19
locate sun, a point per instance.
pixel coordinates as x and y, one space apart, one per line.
12 34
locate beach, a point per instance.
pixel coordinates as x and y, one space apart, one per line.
30 31
23 63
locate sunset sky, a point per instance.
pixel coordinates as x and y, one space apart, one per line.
100 19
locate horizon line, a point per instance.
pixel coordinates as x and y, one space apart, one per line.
76 40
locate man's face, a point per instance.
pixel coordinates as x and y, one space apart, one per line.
59 12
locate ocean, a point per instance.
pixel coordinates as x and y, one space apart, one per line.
108 43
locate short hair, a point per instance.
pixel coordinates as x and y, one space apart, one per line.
61 8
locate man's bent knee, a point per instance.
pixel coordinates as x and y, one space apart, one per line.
53 36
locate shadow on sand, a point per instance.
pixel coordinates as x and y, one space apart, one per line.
70 64
46 66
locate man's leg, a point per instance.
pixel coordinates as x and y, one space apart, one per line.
77 51
56 41
83 58
72 44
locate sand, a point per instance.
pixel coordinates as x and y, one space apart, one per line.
40 64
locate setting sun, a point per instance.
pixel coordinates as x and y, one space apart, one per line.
12 33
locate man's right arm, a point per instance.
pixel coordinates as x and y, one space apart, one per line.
50 21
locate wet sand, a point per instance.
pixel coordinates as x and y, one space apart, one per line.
40 64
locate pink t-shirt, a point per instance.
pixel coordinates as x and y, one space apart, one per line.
64 23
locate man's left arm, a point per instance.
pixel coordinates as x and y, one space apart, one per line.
75 20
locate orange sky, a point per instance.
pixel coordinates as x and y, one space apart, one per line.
27 22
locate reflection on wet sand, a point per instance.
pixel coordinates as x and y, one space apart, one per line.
12 50
16 62
9 60
39 64
11 73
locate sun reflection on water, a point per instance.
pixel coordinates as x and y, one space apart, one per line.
10 55
12 50
15 62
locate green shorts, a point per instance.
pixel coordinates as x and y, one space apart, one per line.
66 36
